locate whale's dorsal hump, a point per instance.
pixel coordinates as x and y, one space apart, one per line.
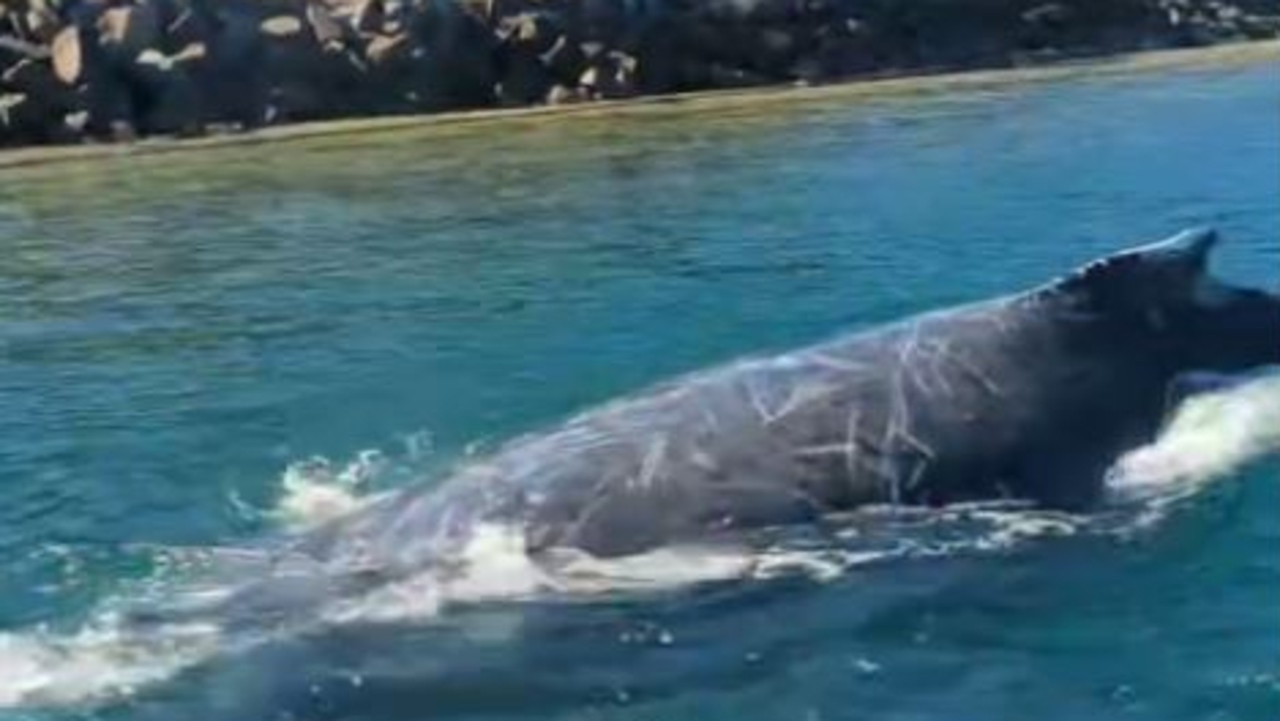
1188 250
1164 270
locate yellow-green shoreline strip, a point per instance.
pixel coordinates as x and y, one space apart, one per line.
1245 53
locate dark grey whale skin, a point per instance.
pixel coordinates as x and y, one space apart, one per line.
1030 396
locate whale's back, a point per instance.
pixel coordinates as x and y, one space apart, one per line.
948 406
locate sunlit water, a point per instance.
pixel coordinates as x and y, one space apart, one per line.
186 339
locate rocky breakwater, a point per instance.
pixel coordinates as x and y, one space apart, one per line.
77 70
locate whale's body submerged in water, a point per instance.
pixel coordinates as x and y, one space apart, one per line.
1026 397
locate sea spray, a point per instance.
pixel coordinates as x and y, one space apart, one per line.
314 491
1207 437
317 490
100 661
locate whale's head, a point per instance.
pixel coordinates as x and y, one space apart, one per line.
1164 298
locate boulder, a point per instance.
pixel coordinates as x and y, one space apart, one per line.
122 131
565 60
842 49
387 76
68 56
593 52
73 125
233 83
1259 27
238 42
301 77
566 95
604 21
32 77
459 65
125 31
109 105
23 119
152 60
610 77
14 49
1053 14
525 80
370 16
1199 30
488 11
531 32
187 22
723 76
1045 25
27 118
281 27
325 27
527 41
40 21
774 50
748 11
389 52
166 98
661 57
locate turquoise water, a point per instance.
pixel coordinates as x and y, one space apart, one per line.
179 330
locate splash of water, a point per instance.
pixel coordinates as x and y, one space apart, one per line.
317 489
1208 437
314 491
103 660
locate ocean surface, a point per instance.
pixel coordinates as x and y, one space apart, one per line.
202 351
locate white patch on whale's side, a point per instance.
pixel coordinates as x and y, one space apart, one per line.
1207 438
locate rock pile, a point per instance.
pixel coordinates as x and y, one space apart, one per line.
72 70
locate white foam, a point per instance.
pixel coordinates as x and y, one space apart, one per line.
657 570
492 565
109 657
102 661
1208 437
314 491
317 490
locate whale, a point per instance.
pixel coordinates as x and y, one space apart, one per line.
1027 397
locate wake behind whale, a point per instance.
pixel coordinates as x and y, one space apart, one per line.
960 431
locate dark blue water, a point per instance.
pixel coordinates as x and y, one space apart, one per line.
176 330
